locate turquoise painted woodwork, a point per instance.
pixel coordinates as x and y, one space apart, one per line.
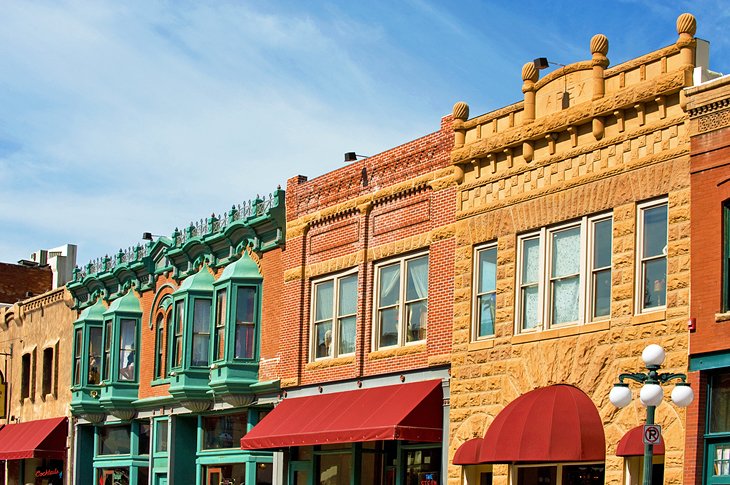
85 368
120 357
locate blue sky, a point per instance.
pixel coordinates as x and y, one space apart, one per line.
123 117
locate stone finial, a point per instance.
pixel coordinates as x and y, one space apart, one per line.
461 111
686 26
599 44
529 72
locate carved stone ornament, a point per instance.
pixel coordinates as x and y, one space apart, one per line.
123 414
239 400
95 418
196 405
686 24
599 44
461 111
529 72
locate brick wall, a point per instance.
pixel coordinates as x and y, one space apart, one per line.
17 281
392 204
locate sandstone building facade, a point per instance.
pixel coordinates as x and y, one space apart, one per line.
572 254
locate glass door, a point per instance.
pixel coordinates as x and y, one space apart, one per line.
213 476
299 473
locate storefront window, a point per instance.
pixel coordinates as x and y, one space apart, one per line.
225 474
223 431
114 476
114 440
264 473
720 404
573 474
144 438
143 475
423 466
334 469
161 436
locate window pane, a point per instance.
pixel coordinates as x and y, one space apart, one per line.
324 339
388 327
161 436
77 356
94 354
602 293
720 403
389 278
223 431
144 438
487 313
655 274
529 307
721 460
323 300
201 332
114 476
114 440
530 260
566 252
334 469
565 300
655 231
347 300
245 299
537 474
347 335
487 270
423 466
602 237
264 473
244 343
107 350
417 279
417 321
127 340
583 474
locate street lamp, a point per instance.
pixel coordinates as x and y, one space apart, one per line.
651 394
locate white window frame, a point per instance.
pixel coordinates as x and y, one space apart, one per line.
336 278
638 277
402 317
476 294
544 287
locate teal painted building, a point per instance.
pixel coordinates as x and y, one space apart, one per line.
169 366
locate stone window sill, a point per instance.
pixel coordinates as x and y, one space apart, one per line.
649 317
397 351
327 363
562 332
722 317
481 344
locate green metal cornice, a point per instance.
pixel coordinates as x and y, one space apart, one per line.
93 313
243 269
259 223
128 303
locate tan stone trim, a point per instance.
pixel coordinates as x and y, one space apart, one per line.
668 51
289 382
642 318
583 113
481 344
294 274
722 317
36 302
327 363
422 182
561 332
396 352
486 118
565 70
439 359
641 163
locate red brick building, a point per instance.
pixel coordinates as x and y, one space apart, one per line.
21 281
366 320
708 420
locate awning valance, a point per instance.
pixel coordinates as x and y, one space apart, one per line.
45 438
632 443
468 452
411 411
552 424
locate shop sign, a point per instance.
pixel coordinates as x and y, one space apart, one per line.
48 472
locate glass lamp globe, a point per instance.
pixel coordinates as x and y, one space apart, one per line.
620 395
651 394
682 395
653 355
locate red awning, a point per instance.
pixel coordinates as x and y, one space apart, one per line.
45 438
632 444
410 411
551 424
468 452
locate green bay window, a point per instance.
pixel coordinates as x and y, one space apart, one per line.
236 328
189 351
717 434
106 363
87 353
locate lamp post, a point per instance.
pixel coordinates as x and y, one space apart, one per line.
651 394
